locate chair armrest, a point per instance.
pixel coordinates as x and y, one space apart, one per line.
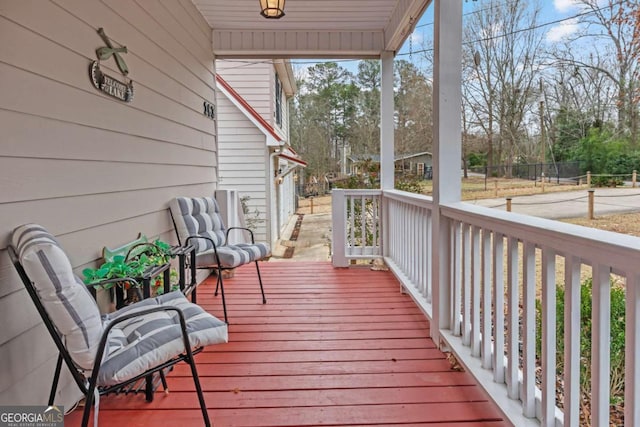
215 248
226 237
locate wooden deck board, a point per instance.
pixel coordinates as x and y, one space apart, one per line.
332 347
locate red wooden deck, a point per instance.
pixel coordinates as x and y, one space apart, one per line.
338 347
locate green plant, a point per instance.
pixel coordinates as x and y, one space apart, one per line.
355 223
477 159
410 184
353 181
114 269
153 254
252 218
137 261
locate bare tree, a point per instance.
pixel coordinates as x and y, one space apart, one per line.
577 99
611 26
502 64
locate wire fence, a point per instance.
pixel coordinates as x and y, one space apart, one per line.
532 171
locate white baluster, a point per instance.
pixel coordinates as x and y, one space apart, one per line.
548 337
513 316
498 307
486 299
572 287
466 287
600 352
529 330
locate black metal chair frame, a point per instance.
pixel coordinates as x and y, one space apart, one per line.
89 388
220 268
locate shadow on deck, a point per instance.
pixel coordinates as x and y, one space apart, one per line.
339 347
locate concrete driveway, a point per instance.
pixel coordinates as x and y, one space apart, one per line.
571 204
312 242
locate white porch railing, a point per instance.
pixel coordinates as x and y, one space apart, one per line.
408 247
357 213
495 262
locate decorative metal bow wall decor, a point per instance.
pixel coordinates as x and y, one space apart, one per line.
105 53
105 83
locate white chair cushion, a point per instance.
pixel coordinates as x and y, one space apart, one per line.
256 251
198 216
230 257
144 342
66 299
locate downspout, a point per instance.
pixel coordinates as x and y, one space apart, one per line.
273 197
278 177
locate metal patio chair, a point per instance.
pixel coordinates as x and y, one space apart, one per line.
107 354
198 222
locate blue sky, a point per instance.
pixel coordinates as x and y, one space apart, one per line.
552 11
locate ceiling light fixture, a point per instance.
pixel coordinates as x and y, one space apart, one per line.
272 9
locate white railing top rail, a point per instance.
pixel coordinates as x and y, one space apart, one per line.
413 198
358 191
620 251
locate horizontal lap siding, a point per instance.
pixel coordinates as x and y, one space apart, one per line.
243 162
253 80
94 170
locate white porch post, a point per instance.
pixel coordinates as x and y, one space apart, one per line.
386 122
387 169
447 150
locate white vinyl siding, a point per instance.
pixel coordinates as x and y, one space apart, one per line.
93 170
243 163
254 80
242 143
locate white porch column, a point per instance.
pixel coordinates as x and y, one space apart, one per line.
447 151
386 122
387 169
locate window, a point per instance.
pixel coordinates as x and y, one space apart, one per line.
420 169
278 112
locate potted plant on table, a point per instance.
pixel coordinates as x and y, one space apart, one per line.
134 265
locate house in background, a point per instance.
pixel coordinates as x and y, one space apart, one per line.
356 162
255 157
417 163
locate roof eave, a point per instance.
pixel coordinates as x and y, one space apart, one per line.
272 137
285 72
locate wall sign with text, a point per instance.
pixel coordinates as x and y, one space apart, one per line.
122 90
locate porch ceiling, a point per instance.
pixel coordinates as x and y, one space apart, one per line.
311 28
